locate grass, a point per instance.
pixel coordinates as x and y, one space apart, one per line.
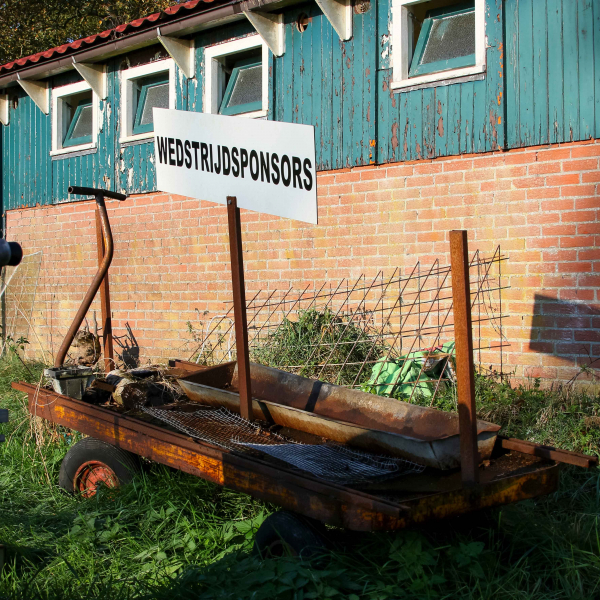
169 535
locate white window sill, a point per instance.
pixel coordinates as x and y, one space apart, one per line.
72 149
137 137
442 77
255 114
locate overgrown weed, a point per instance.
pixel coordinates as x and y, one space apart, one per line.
170 535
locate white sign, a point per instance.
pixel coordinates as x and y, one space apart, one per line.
268 166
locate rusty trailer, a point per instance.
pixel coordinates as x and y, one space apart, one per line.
482 469
516 471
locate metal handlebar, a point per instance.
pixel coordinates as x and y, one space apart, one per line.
102 270
87 191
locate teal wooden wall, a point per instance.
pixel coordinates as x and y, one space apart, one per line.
552 71
542 86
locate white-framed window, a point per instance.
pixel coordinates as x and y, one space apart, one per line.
236 78
143 88
74 118
437 40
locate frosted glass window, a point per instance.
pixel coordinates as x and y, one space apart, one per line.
446 41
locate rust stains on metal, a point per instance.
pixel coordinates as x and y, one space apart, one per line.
548 452
352 417
333 504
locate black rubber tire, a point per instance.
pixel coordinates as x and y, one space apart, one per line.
288 534
124 465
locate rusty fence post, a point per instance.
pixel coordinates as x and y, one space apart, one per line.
465 374
107 338
239 307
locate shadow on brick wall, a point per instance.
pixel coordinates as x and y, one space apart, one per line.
567 330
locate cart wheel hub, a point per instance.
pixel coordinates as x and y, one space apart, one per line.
92 474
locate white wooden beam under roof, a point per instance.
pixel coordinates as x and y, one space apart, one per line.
95 76
4 109
38 92
339 14
271 29
181 51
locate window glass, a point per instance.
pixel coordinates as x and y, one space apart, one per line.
83 122
244 90
78 119
450 37
153 92
247 87
446 40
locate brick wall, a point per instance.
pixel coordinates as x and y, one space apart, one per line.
171 253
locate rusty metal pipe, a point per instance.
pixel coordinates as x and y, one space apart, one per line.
102 270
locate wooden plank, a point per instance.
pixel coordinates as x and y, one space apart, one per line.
288 74
385 116
555 71
317 85
337 106
495 79
296 77
585 20
466 117
454 121
571 71
442 124
512 73
540 73
415 125
350 65
327 117
526 74
429 121
480 116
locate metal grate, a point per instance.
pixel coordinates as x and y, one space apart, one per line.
330 462
339 464
217 426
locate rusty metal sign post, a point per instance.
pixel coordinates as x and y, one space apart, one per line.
465 375
239 307
107 338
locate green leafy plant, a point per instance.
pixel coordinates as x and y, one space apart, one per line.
320 345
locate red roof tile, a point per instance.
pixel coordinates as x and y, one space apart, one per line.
173 12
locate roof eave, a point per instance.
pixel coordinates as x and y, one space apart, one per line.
212 17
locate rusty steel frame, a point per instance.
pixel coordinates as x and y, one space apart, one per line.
465 367
239 307
107 337
330 503
108 251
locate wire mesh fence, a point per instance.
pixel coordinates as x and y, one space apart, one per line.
17 293
390 335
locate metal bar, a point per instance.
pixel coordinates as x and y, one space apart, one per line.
239 307
465 376
91 293
107 338
550 453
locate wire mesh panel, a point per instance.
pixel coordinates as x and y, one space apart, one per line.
18 291
390 335
331 462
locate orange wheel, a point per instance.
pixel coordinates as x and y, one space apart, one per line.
91 463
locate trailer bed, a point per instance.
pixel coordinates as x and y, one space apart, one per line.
408 500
